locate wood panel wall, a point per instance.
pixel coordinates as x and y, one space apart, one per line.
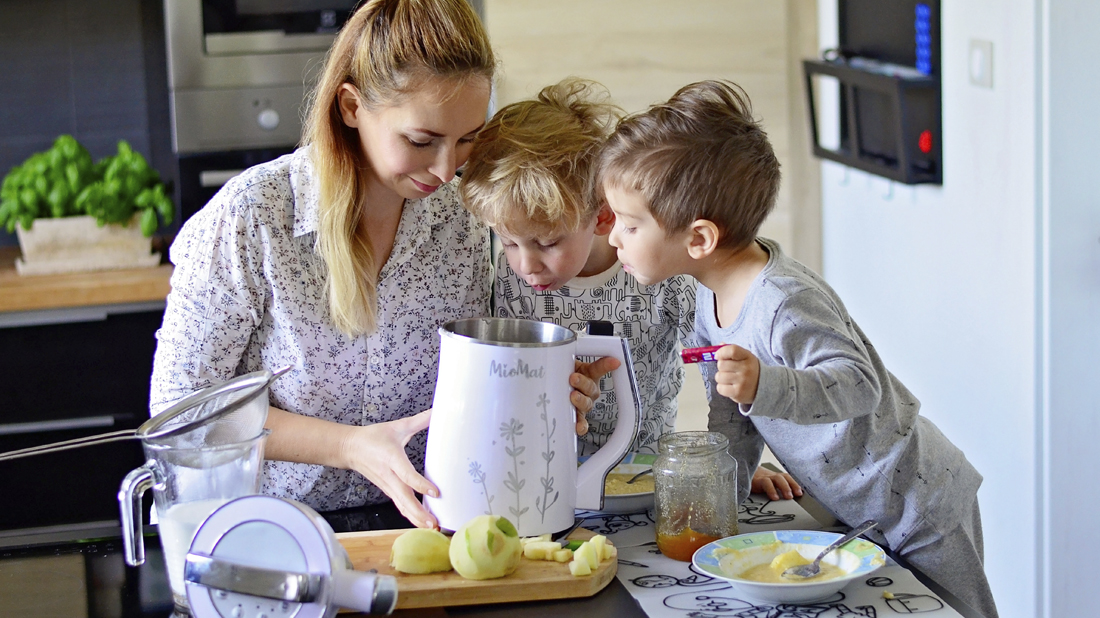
644 50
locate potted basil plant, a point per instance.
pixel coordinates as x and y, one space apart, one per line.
71 214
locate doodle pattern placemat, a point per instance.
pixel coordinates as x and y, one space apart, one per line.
666 588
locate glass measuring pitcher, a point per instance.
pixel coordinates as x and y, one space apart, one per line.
188 484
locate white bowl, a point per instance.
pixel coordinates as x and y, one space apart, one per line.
620 504
858 558
628 503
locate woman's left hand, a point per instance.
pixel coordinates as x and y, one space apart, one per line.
377 452
585 381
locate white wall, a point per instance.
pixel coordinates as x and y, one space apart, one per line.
645 50
1070 219
945 280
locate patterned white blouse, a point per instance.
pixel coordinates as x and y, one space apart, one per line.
248 293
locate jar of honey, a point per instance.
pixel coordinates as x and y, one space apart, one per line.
695 492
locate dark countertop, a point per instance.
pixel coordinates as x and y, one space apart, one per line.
66 574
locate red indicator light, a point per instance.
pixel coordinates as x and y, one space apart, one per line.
925 141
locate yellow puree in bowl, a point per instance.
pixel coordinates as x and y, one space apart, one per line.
772 572
616 484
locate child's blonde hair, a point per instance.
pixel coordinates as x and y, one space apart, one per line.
701 155
531 164
387 49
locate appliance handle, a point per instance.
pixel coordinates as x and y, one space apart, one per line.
364 592
209 179
221 574
129 506
592 474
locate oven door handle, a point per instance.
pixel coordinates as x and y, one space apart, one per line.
64 424
209 179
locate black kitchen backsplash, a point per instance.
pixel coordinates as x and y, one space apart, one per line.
92 68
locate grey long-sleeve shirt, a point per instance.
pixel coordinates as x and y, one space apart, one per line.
840 423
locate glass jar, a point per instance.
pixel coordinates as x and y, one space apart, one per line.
696 492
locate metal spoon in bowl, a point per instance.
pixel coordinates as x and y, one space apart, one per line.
804 571
639 475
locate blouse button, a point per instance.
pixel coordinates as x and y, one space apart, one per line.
375 359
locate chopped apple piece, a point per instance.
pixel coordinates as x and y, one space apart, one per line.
579 568
562 555
540 550
542 538
587 552
598 543
610 552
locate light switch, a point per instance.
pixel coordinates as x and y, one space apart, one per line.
981 63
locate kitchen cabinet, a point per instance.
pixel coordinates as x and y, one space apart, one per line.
76 354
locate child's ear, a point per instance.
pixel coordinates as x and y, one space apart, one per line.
605 220
703 238
348 101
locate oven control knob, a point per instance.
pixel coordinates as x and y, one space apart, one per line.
268 119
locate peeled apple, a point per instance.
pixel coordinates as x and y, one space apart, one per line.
421 551
487 547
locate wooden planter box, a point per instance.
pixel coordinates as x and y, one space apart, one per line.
77 244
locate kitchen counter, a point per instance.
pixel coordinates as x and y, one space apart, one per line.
89 578
91 575
63 291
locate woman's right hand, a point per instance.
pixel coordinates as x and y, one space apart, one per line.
378 452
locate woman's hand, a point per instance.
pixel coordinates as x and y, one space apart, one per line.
764 481
378 452
585 381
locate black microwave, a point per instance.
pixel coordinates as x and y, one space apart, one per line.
286 16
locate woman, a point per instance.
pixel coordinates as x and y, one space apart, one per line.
343 258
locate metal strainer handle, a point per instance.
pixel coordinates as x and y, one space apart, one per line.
115 436
157 427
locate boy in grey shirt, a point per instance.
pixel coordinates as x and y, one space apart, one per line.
690 182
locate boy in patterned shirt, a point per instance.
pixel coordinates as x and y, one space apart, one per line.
528 178
690 182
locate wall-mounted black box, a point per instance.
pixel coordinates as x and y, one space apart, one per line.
886 87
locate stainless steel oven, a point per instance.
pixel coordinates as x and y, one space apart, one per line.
238 72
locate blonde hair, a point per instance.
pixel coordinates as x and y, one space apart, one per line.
531 163
387 49
701 155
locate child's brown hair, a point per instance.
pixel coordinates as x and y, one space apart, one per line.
531 163
701 155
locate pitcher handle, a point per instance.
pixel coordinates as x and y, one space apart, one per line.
592 473
129 506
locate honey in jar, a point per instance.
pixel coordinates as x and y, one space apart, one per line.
695 492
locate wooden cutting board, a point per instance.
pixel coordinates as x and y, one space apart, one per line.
533 580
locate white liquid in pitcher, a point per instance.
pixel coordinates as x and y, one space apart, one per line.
177 529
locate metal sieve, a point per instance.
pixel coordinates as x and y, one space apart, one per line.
226 413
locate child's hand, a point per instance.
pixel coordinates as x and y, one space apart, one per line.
738 373
585 381
774 484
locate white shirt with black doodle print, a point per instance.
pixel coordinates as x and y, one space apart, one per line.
655 319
